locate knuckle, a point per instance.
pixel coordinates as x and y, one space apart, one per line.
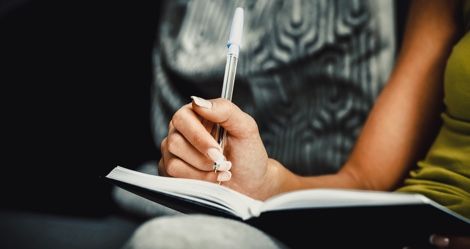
178 118
163 144
172 167
229 108
175 120
197 140
230 105
225 109
174 142
252 126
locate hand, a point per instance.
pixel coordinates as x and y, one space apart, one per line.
189 150
450 242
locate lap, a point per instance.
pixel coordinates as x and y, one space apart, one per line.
199 231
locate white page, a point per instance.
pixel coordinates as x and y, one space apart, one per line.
316 198
207 193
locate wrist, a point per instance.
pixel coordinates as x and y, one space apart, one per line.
278 179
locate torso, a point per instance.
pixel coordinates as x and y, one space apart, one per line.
444 174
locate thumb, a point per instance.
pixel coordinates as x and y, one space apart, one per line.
225 113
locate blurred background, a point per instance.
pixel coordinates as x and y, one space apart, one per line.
75 79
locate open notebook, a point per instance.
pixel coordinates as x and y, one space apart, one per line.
333 210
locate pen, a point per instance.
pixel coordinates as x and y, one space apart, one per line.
233 49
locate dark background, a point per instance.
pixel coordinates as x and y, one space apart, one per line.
75 79
75 82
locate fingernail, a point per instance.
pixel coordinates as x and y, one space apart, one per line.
202 102
216 156
439 241
224 176
225 166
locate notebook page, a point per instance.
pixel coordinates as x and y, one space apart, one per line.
317 198
207 193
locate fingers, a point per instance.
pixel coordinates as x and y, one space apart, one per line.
181 148
190 147
178 168
228 115
451 242
187 123
175 146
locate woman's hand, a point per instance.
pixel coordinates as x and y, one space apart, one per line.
450 242
190 150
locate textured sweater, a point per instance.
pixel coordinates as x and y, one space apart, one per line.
308 72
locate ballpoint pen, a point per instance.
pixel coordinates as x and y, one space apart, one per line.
233 49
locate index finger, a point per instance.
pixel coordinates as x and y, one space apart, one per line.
238 123
188 124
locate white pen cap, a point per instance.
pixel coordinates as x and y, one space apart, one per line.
236 31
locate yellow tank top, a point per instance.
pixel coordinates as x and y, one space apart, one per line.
444 174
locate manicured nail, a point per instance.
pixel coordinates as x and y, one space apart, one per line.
224 176
216 156
202 102
439 241
225 166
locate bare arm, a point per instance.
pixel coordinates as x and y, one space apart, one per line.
402 117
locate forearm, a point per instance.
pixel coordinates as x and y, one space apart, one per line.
404 117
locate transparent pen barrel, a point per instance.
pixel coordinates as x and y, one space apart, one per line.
229 77
227 91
